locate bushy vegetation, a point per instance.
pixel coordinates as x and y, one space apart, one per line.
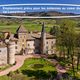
33 69
38 68
4 67
68 44
37 64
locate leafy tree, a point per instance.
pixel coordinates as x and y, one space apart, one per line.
78 24
54 30
1 36
78 49
66 39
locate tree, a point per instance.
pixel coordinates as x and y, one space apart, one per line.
78 24
1 36
54 30
78 49
60 42
66 39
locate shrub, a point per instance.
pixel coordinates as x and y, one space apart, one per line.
11 74
18 71
19 77
37 66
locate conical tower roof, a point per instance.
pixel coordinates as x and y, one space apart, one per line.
43 30
21 29
43 27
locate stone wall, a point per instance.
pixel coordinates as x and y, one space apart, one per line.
50 44
30 47
3 55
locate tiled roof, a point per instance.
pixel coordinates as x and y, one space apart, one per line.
21 29
38 36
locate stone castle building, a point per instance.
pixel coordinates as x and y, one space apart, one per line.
24 42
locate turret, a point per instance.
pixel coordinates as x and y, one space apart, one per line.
11 52
43 40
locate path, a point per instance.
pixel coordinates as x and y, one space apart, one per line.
19 62
59 68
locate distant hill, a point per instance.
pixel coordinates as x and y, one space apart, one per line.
9 21
48 13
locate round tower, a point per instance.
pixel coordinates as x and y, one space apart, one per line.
11 52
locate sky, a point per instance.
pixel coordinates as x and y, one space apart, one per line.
43 1
39 1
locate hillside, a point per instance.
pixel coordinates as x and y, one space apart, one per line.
12 24
47 13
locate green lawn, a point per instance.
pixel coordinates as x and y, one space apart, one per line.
5 78
5 67
38 68
30 63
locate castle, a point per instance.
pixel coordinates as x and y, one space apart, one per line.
23 42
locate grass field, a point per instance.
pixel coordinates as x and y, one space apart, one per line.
30 25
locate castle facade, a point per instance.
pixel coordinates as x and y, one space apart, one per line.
23 42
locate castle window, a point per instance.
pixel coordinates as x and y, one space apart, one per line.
51 51
52 42
28 44
47 42
15 47
16 42
24 36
